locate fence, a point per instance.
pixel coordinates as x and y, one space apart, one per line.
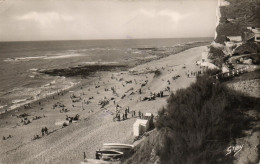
232 73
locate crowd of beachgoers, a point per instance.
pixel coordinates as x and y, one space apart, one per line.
61 127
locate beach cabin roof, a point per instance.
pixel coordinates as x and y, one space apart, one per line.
235 38
255 30
140 122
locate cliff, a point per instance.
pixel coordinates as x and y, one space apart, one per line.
234 16
237 32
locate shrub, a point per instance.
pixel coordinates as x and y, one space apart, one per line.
197 125
217 56
199 122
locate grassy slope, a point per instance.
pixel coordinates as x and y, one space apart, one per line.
197 125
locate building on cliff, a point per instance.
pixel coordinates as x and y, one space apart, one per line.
234 38
254 35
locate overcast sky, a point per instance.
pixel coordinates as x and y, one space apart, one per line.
105 19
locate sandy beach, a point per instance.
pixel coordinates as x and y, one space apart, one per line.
95 125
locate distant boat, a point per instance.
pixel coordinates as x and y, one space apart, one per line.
117 146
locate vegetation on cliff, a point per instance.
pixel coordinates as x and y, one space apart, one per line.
197 125
217 56
200 122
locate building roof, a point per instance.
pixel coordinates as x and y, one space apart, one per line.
248 35
235 38
255 30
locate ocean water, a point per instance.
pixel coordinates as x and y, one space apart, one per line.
19 62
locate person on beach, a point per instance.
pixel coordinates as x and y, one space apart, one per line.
46 130
161 93
42 132
118 106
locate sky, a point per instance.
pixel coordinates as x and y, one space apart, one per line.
27 20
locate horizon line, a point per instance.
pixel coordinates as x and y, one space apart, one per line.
100 39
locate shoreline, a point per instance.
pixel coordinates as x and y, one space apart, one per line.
93 73
96 125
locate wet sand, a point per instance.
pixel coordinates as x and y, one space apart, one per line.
96 125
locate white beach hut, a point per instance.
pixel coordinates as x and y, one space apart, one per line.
140 126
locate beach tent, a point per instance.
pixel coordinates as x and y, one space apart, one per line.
149 117
209 65
140 126
225 69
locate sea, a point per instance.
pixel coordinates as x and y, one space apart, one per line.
20 62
